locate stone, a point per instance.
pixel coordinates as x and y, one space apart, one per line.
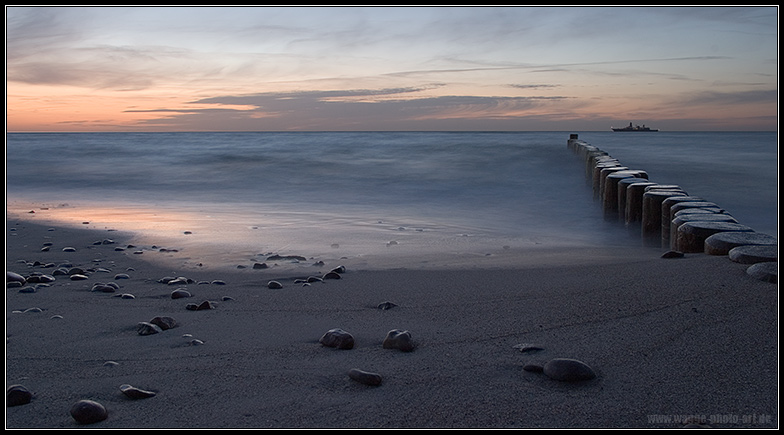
17 395
364 377
260 265
274 285
568 370
721 243
766 271
398 339
88 412
206 305
386 305
136 393
180 293
147 328
14 277
332 275
750 254
672 254
337 338
164 322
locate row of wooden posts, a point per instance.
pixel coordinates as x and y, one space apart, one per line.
664 214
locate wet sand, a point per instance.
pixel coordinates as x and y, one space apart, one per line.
671 341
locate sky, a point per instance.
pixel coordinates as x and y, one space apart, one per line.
391 68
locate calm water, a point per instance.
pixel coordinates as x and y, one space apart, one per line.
373 192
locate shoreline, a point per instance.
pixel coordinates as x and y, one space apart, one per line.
691 338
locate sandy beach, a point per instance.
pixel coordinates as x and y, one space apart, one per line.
671 341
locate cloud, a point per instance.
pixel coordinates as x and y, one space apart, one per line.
336 110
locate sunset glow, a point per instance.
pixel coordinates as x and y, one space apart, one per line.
349 68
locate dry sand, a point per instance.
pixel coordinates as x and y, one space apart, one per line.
692 338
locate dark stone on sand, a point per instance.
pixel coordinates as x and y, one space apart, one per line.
122 276
14 277
40 278
147 328
136 393
339 269
750 254
337 338
277 257
28 289
78 277
103 288
206 305
364 377
765 271
386 305
398 339
17 395
568 370
528 347
164 322
274 285
672 254
88 412
69 249
180 293
260 265
332 275
721 243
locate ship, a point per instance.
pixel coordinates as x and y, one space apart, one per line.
633 128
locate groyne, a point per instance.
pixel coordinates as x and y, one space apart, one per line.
665 215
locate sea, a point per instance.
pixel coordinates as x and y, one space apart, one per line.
227 198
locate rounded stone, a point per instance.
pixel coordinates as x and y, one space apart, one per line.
17 395
147 328
88 412
274 285
136 393
337 338
722 243
14 277
692 235
750 254
765 271
180 293
398 339
568 370
363 377
164 322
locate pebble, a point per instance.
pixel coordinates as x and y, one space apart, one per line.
332 275
147 328
274 285
568 370
672 254
260 265
136 393
363 377
386 305
206 305
17 395
164 322
180 293
398 339
14 277
88 412
104 288
528 347
337 338
78 277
